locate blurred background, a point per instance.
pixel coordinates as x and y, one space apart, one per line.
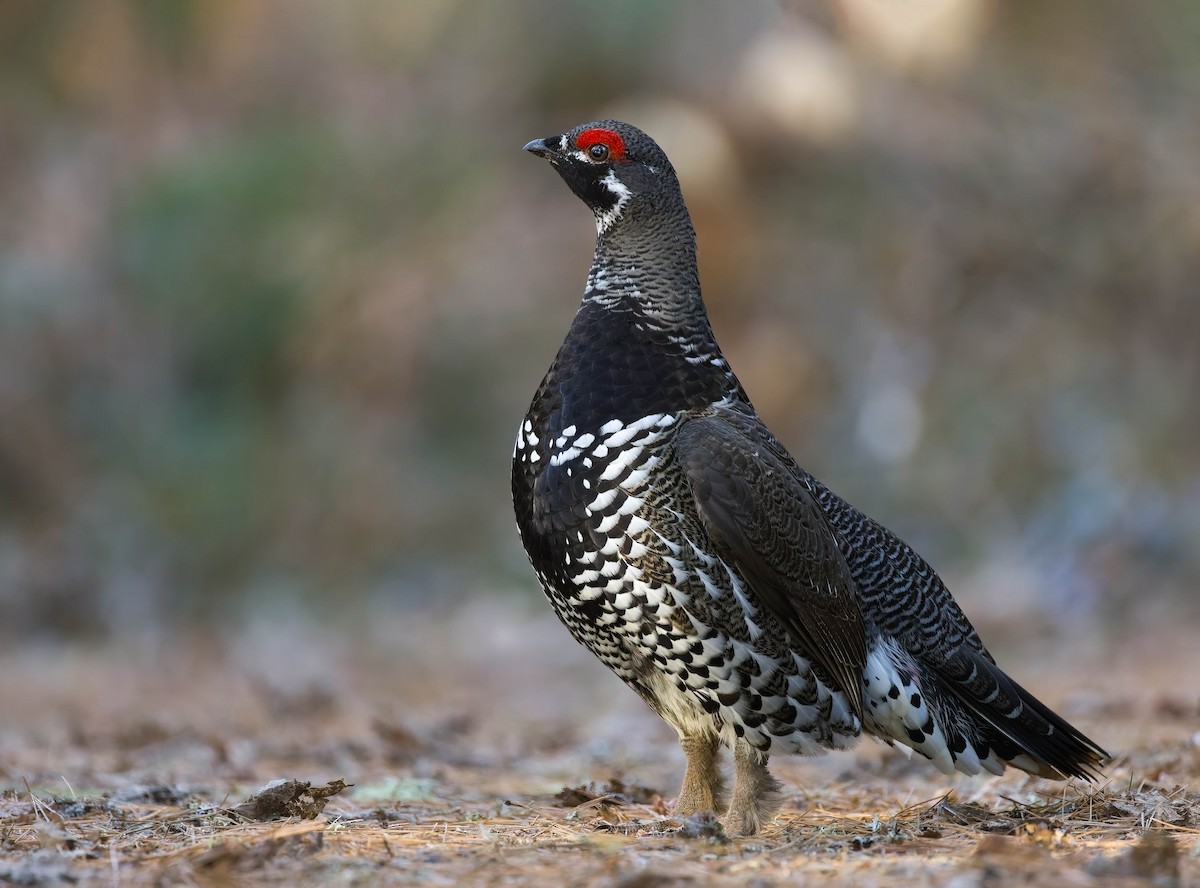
277 283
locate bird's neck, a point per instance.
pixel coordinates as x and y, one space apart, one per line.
642 319
648 269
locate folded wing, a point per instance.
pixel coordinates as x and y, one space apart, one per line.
763 521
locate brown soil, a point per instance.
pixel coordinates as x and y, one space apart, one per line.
486 748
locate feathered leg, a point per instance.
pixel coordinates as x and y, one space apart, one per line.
756 794
703 785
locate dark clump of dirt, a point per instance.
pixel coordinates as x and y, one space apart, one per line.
703 826
288 798
158 794
614 790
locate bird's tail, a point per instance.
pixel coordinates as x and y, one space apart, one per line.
968 715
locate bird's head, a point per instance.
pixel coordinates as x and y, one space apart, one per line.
614 168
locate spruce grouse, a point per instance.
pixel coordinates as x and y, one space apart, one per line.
678 540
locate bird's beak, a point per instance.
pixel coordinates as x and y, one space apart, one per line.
547 147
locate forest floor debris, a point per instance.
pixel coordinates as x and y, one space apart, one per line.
543 773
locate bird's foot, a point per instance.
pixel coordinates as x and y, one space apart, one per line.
756 794
692 800
747 820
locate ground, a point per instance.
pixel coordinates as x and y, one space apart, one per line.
484 748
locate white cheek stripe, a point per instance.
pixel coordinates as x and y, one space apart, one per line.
620 190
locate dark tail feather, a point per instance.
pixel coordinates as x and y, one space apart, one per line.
1020 724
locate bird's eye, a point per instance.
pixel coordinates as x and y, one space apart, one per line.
598 152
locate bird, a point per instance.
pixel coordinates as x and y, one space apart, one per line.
678 540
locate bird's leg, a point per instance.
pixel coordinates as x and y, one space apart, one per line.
756 794
703 785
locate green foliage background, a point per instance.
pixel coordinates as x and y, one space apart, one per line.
276 283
